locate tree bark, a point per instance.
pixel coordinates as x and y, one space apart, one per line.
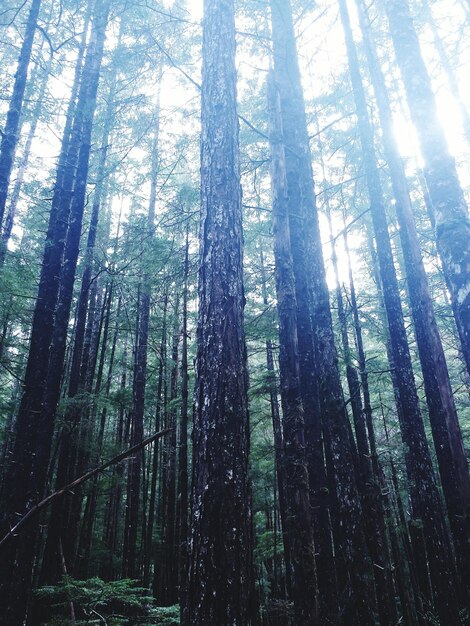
450 451
35 423
10 135
449 205
220 560
299 528
427 509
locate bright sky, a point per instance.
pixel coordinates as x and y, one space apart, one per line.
321 48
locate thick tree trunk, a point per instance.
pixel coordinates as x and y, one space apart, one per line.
450 451
35 423
299 528
220 560
449 205
353 565
427 509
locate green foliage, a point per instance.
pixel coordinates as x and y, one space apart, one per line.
165 615
94 597
265 545
116 603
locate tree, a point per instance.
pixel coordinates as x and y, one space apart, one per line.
12 126
299 528
448 202
318 357
35 422
220 559
448 442
423 489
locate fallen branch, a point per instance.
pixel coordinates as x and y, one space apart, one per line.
77 482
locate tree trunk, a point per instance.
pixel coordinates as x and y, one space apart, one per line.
15 195
299 527
278 441
448 69
353 564
130 565
35 423
10 135
449 205
427 509
155 456
450 451
370 491
220 561
59 530
182 510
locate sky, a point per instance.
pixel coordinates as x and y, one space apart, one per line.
321 50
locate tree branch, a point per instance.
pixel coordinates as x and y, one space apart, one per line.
79 481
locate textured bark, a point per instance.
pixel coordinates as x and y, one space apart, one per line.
299 528
353 565
220 560
450 451
427 509
449 206
59 530
23 165
10 134
35 423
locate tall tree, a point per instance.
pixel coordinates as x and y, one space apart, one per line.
449 206
326 418
220 560
140 376
448 442
23 164
35 420
11 131
61 536
299 529
424 494
182 529
449 71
